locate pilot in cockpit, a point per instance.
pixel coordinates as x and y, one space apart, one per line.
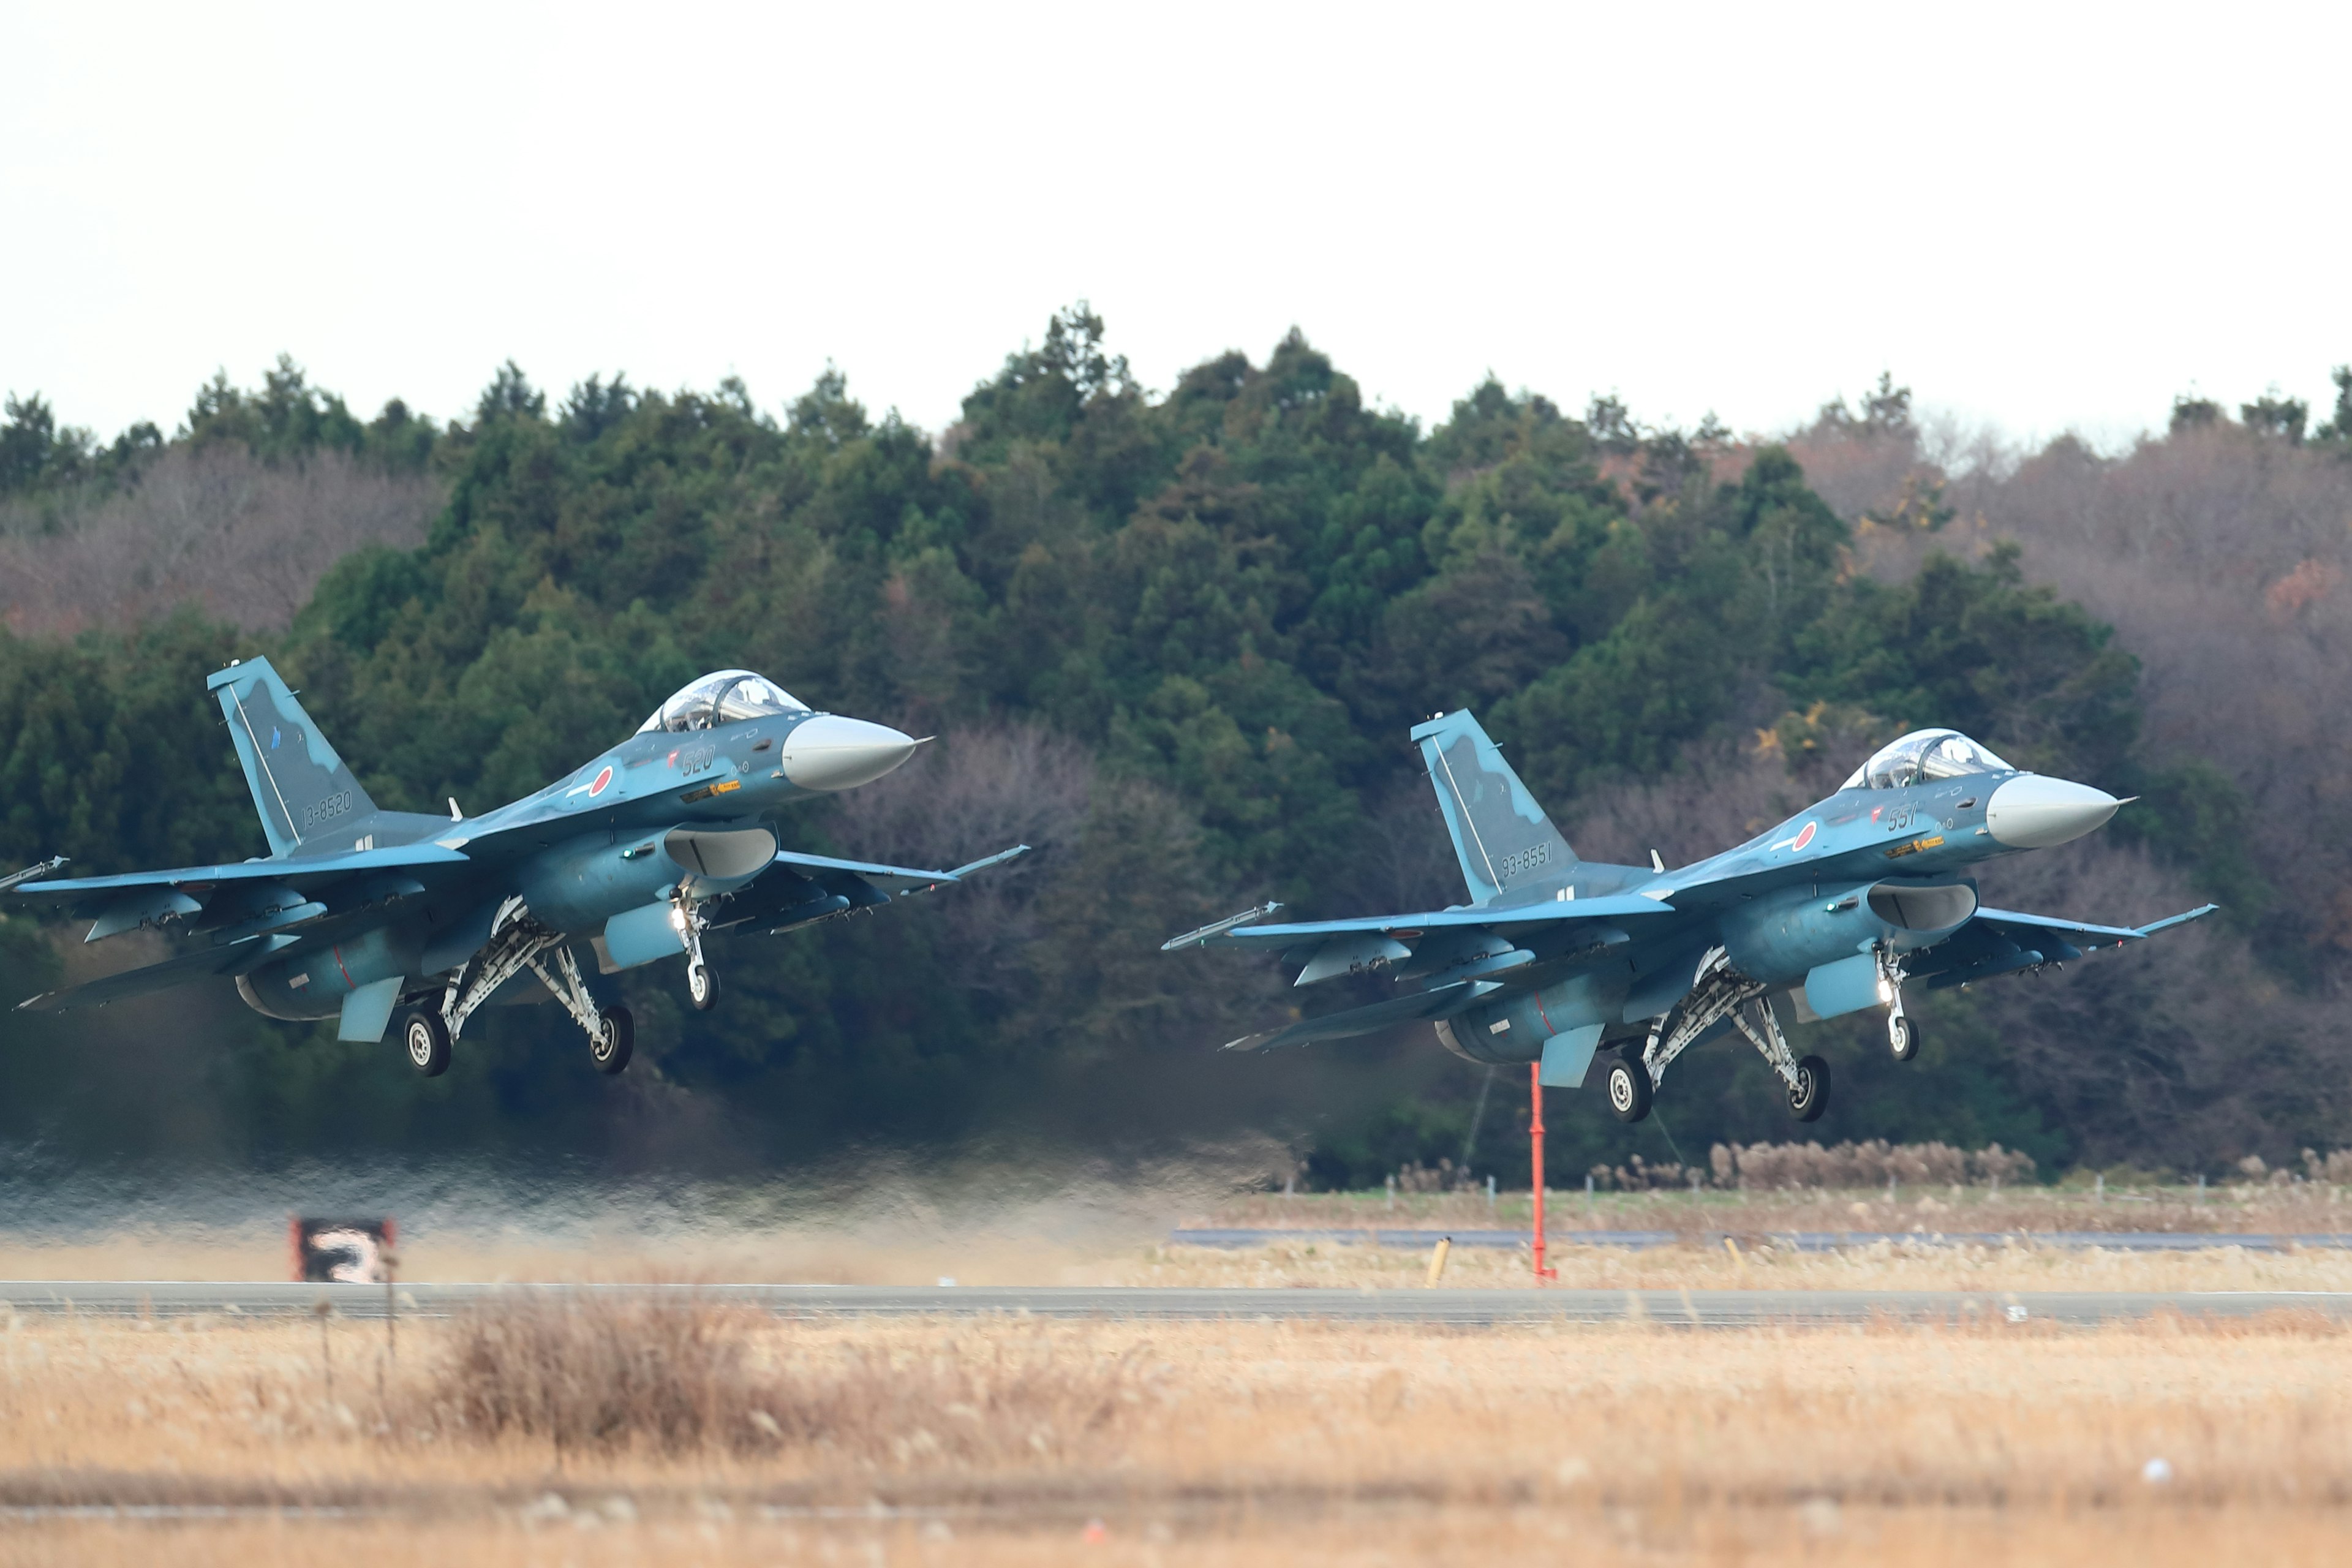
1924 756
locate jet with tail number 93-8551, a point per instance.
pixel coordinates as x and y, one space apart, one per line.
358 913
1839 909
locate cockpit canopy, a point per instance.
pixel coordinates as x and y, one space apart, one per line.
1922 757
726 697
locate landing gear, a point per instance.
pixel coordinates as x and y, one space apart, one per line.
426 1039
613 1041
1630 1089
1720 995
1808 1093
701 982
517 943
1902 1035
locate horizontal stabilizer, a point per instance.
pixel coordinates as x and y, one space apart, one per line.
1410 1008
233 958
1520 917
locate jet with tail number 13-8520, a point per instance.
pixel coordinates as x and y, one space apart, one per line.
357 913
1839 909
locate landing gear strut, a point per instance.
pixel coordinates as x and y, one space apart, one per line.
519 942
701 980
1902 1033
1718 993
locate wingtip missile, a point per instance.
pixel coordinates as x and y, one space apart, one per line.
39 868
985 862
1219 928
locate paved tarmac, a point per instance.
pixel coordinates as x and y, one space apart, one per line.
1694 1309
1786 1240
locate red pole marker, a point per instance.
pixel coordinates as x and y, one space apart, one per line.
1535 1140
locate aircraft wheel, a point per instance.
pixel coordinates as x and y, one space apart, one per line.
1809 1095
611 1046
1630 1089
1902 1037
426 1037
702 986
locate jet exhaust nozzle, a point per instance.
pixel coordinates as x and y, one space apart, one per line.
830 752
2031 812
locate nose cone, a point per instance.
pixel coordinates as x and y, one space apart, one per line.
2030 812
830 752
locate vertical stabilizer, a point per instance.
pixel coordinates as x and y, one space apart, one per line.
1505 842
306 796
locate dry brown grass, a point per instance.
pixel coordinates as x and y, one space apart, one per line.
615 1374
1227 1442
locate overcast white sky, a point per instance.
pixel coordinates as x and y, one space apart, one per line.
2044 216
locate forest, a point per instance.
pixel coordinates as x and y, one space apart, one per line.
1174 640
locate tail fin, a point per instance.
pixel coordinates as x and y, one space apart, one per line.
1502 837
303 790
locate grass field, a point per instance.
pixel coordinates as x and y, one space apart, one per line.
708 1438
1242 1443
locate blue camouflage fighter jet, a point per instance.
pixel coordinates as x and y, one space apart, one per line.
1838 908
358 912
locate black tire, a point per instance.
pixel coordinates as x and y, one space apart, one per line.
1902 1037
426 1037
1630 1089
612 1048
701 986
1809 1095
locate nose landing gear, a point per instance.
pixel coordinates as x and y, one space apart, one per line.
1902 1033
701 980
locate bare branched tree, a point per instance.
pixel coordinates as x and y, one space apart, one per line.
214 527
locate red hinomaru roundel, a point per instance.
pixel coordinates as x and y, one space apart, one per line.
606 778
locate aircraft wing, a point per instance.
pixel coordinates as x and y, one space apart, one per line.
1412 1007
229 958
900 881
1998 942
84 896
1290 933
799 889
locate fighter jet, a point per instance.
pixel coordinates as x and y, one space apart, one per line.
358 912
1839 909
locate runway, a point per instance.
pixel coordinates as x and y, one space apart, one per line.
1476 1309
1785 1240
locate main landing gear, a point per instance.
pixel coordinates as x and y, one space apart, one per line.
517 943
1630 1089
426 1039
1718 993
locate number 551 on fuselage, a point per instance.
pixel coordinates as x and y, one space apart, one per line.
358 912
